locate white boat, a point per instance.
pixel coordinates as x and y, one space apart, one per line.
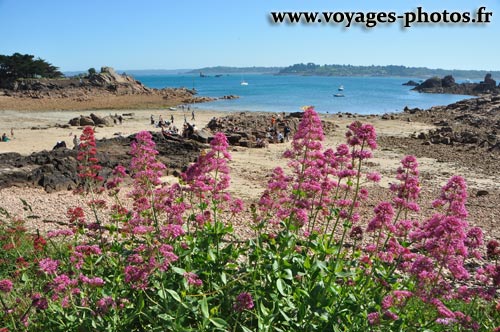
339 95
341 88
244 83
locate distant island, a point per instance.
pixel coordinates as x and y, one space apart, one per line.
235 70
311 69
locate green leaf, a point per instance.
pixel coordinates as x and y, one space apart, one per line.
344 274
204 307
279 284
174 295
162 294
166 317
211 255
223 278
285 316
287 274
178 270
263 309
219 322
140 305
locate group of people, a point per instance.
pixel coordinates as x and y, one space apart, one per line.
274 135
168 128
183 108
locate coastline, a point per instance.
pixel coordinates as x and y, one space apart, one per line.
110 102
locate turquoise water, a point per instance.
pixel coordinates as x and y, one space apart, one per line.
268 93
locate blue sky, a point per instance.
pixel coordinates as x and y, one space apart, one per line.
174 34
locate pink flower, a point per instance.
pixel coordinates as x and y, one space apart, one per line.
193 279
6 285
389 315
105 304
243 302
61 232
383 217
208 178
373 318
360 134
136 276
87 152
39 302
374 176
48 265
493 249
92 282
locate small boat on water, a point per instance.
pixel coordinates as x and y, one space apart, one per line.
172 108
339 95
341 88
244 83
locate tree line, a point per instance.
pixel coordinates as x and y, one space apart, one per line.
382 71
17 66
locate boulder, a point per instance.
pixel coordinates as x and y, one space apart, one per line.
448 82
489 81
202 136
86 121
106 121
411 83
75 122
431 83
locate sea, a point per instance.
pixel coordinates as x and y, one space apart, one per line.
273 93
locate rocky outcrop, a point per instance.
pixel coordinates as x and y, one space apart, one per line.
95 120
252 129
411 83
57 169
467 123
448 85
105 83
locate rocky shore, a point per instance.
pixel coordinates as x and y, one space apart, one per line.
448 84
57 169
104 90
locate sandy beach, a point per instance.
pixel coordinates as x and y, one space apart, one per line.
40 130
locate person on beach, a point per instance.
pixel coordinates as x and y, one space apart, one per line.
12 132
286 131
192 116
160 121
152 118
172 118
5 138
280 137
76 142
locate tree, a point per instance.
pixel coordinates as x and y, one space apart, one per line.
18 66
92 71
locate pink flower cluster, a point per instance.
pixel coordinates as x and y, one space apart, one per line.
243 302
87 156
321 180
208 179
